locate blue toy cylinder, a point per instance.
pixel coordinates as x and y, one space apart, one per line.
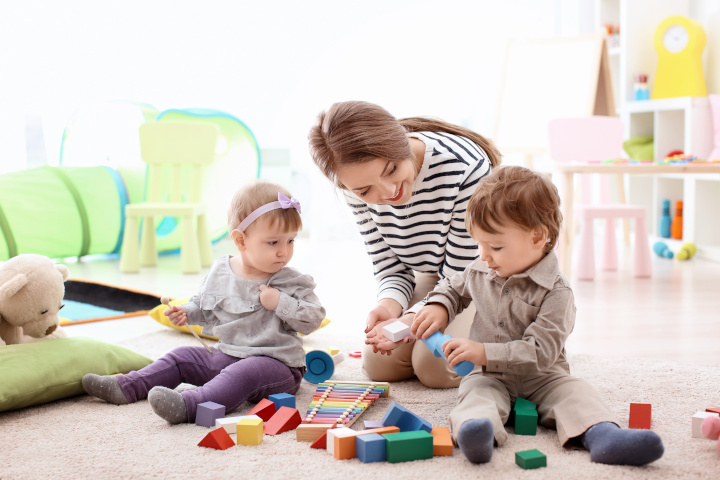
665 220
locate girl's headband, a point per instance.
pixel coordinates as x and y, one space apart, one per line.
282 202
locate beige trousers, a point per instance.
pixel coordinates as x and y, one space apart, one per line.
415 359
567 403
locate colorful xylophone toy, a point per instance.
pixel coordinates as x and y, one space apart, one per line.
339 403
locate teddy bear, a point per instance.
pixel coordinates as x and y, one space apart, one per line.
32 288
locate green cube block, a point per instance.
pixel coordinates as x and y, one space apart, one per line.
408 446
526 422
530 459
522 404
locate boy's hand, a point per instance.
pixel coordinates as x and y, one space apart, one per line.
458 350
382 344
177 315
429 319
269 297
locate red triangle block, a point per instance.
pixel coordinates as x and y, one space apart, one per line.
265 409
285 419
320 442
218 438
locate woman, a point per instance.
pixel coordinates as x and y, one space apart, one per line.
407 182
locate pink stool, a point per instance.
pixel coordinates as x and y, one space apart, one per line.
642 265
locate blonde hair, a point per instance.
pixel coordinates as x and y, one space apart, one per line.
354 132
253 196
518 195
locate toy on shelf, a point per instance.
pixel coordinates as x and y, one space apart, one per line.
641 91
676 228
435 342
665 220
679 42
687 251
321 365
662 250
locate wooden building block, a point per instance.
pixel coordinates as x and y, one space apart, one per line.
408 446
370 448
406 420
526 422
230 423
285 419
523 404
442 441
309 432
333 350
697 421
711 428
321 441
640 415
282 400
265 409
396 331
713 410
208 412
529 459
250 431
218 439
336 432
373 424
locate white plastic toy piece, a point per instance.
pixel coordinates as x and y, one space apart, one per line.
396 331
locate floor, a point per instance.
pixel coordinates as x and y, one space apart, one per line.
674 315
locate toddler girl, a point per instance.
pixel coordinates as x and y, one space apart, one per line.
253 303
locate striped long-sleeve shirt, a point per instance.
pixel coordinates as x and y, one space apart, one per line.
428 233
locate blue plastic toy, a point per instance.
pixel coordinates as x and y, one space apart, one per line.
665 220
435 343
662 250
320 365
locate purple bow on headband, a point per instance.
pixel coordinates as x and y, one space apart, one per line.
286 202
282 202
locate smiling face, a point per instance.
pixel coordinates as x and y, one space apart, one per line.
512 249
379 181
264 248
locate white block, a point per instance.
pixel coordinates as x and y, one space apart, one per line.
697 421
396 331
336 432
230 423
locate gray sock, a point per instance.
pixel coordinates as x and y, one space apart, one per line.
613 445
168 404
105 387
476 438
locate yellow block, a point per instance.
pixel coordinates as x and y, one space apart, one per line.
250 431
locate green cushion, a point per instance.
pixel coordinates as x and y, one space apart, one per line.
40 372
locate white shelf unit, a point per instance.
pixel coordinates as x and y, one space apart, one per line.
683 123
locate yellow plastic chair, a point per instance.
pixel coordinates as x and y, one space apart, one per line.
181 150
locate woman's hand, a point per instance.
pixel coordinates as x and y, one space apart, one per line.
269 297
382 344
177 315
458 350
429 319
386 309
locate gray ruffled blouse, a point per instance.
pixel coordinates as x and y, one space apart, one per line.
228 306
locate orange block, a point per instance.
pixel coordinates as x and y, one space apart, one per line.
285 419
265 409
640 415
345 446
442 441
218 438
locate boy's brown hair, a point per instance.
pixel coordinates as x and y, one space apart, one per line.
253 196
518 195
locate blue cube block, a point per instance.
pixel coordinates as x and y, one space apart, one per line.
404 419
370 448
208 412
282 400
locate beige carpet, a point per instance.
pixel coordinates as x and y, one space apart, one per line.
82 438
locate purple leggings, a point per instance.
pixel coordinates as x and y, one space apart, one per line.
220 378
